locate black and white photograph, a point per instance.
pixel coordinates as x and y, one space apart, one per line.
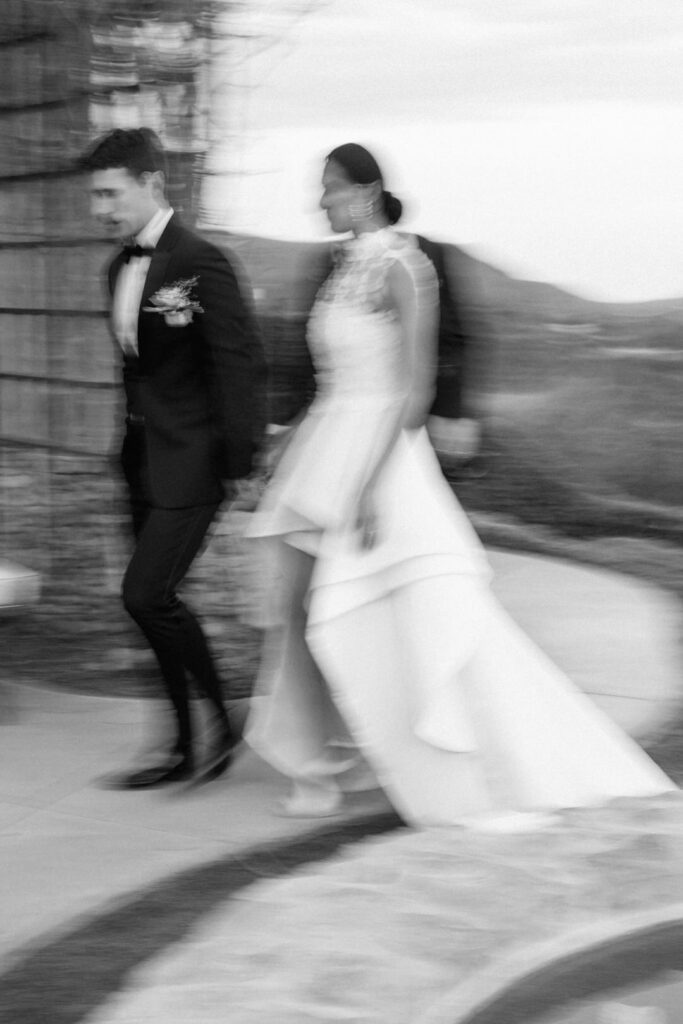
341 512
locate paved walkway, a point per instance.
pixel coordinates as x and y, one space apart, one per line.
418 928
395 928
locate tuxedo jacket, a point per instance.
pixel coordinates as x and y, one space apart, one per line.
195 393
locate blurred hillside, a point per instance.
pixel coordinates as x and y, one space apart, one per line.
580 400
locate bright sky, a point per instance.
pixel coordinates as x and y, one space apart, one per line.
544 135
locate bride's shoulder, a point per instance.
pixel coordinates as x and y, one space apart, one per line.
405 249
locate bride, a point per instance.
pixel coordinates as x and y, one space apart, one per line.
390 662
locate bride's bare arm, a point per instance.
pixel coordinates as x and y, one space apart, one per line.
416 305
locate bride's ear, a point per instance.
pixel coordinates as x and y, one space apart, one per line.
371 193
377 190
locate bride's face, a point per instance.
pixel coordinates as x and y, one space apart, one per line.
338 194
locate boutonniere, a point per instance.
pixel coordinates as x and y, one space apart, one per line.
176 302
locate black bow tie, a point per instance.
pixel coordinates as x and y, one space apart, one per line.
136 250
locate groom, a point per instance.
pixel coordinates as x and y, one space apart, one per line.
193 373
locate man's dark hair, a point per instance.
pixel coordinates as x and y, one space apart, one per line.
135 149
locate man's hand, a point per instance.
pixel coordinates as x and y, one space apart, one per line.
455 439
278 436
245 494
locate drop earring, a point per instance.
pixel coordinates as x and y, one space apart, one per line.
362 210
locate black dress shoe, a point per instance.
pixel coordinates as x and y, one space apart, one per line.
178 768
213 771
218 759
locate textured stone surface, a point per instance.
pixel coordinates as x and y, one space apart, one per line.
391 928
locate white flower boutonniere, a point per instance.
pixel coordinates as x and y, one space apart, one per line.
175 302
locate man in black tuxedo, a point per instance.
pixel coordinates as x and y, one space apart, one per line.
193 374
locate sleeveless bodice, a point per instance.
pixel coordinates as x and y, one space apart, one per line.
354 339
361 387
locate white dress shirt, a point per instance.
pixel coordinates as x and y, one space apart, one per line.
131 281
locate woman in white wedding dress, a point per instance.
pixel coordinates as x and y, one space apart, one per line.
388 660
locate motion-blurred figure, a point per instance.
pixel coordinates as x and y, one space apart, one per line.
391 663
454 422
192 364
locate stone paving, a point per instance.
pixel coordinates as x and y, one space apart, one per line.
408 928
416 927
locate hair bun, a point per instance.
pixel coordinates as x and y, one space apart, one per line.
393 207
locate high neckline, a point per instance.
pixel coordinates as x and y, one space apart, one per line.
371 243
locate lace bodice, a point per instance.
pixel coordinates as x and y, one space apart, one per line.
354 338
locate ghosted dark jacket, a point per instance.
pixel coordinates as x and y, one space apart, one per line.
194 394
454 341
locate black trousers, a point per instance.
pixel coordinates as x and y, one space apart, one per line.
167 542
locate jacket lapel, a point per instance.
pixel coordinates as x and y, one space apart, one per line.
156 275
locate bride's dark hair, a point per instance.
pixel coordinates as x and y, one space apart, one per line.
362 169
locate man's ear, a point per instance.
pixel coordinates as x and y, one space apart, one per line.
157 182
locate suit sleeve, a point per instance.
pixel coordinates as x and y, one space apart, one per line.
234 362
453 339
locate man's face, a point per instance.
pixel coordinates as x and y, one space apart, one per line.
123 203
